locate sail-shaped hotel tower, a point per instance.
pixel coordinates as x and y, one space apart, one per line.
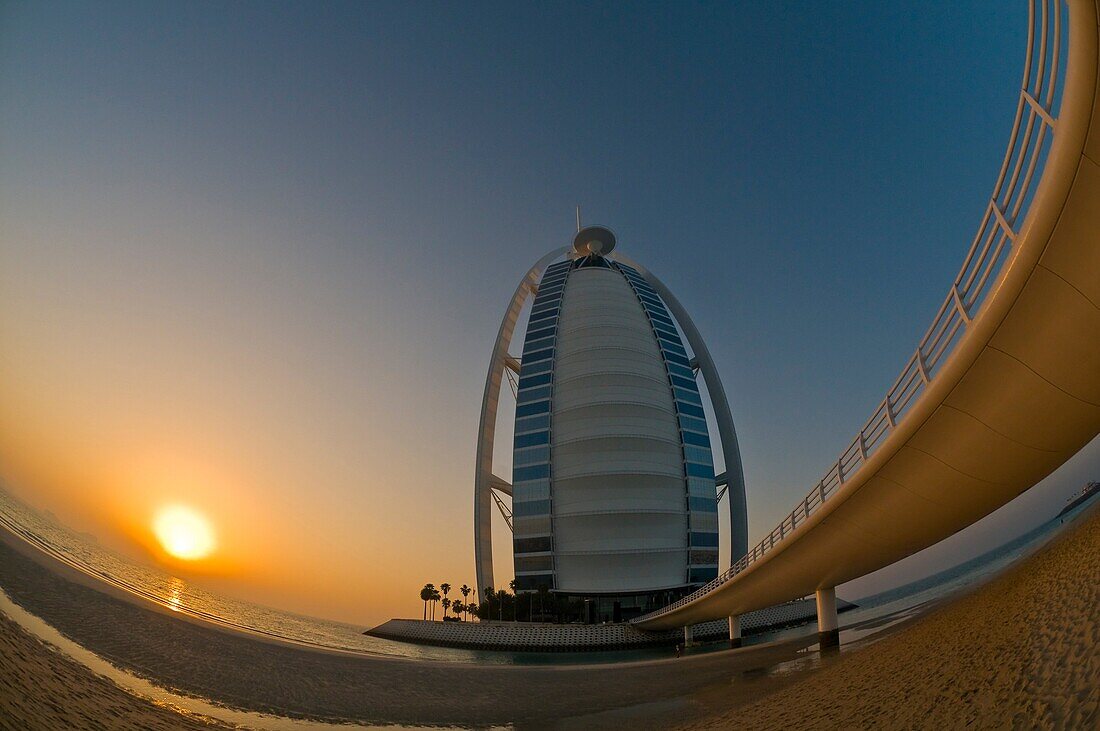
614 493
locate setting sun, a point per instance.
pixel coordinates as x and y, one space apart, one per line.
184 533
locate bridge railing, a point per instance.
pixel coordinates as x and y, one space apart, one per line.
1033 129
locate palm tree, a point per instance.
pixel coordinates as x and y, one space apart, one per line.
426 596
501 595
444 588
465 591
489 601
515 603
446 606
458 608
473 607
435 598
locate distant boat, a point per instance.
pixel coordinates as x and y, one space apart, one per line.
1088 491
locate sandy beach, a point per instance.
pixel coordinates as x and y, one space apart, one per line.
42 689
1023 650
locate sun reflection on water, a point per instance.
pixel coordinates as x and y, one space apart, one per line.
175 594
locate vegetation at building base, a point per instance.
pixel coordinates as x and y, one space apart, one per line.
540 606
507 605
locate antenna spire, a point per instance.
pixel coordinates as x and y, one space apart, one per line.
578 218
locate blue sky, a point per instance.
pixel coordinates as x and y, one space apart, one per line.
302 222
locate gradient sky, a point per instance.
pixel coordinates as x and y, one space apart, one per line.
253 256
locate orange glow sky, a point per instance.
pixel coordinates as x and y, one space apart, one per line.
286 410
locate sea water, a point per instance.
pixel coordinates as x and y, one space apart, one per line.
83 553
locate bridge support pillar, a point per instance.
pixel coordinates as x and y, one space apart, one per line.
735 630
828 632
688 641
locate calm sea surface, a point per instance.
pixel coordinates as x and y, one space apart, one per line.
82 553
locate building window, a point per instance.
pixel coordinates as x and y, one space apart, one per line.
532 423
704 558
703 522
539 544
691 397
534 563
545 332
702 575
534 582
668 337
682 381
538 355
533 394
703 504
698 440
532 525
534 472
539 407
532 455
543 316
674 348
532 345
688 423
697 454
700 470
532 507
539 379
704 540
660 326
660 315
531 490
544 304
680 360
529 369
532 439
682 371
701 487
691 410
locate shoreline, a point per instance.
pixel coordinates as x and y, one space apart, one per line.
74 575
706 632
928 661
301 682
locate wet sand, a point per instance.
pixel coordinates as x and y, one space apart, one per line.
1022 650
42 689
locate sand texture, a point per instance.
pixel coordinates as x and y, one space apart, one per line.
42 689
1022 652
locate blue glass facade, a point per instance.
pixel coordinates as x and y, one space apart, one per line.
533 540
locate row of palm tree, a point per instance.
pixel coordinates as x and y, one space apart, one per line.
430 595
494 604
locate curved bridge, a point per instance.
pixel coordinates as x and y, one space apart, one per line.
1003 388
